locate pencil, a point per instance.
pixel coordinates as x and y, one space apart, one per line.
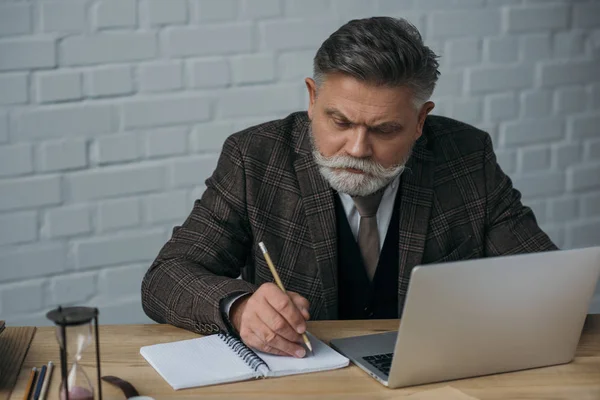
47 378
40 381
263 248
30 383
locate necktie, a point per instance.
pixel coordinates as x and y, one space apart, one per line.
368 234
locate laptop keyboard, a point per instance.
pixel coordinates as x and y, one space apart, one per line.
382 362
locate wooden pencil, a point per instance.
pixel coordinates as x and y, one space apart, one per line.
30 383
263 248
47 378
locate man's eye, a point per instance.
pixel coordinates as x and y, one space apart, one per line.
342 124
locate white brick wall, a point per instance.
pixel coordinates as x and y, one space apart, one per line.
113 113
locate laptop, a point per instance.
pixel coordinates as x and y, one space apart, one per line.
479 317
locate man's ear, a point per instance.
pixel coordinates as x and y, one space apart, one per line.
425 110
311 86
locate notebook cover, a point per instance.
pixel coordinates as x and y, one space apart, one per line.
14 344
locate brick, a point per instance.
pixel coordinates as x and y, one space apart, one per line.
118 214
539 208
590 205
27 53
115 181
570 99
592 150
15 19
306 8
566 154
535 47
292 35
583 126
73 289
568 44
3 126
516 133
450 4
534 158
165 111
500 107
349 9
115 14
208 40
31 261
595 94
18 227
489 79
16 160
295 65
257 9
584 234
196 194
192 171
254 68
210 73
467 110
162 13
209 137
166 142
117 148
585 15
507 159
540 184
216 10
109 81
463 52
160 76
118 249
444 24
13 89
29 192
501 50
108 47
22 297
572 72
537 18
63 16
67 221
536 103
63 121
58 86
124 311
260 101
563 209
584 177
449 84
393 6
166 207
121 281
62 154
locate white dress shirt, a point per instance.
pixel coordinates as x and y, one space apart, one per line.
384 216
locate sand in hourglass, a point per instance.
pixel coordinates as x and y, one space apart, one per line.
77 393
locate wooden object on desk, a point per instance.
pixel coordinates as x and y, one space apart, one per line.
120 345
14 343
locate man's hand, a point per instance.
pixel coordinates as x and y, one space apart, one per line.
272 322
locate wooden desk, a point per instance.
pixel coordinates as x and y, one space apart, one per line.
120 346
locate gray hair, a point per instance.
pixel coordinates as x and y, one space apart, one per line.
383 51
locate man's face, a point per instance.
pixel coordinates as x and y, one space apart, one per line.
362 134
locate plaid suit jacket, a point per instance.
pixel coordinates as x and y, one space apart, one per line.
456 203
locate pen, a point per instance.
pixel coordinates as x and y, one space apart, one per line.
30 383
263 248
47 378
40 382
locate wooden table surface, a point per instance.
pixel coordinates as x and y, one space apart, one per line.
120 346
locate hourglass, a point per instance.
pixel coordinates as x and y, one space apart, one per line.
74 335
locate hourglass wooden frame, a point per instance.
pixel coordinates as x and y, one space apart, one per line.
85 314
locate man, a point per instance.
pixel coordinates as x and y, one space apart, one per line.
348 198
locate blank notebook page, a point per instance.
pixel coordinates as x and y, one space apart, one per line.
197 362
323 358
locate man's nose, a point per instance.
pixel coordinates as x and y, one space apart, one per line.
358 144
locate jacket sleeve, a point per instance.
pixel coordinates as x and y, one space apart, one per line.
198 266
511 227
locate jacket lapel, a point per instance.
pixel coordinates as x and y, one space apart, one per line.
319 207
415 207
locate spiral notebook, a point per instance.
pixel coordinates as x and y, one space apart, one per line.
221 358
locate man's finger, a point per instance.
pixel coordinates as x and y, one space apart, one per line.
301 303
277 323
256 343
285 306
271 340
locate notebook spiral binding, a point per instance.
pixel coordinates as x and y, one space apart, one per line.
245 353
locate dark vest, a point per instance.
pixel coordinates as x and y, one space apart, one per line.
359 298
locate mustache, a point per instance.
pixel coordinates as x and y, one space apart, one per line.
366 165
